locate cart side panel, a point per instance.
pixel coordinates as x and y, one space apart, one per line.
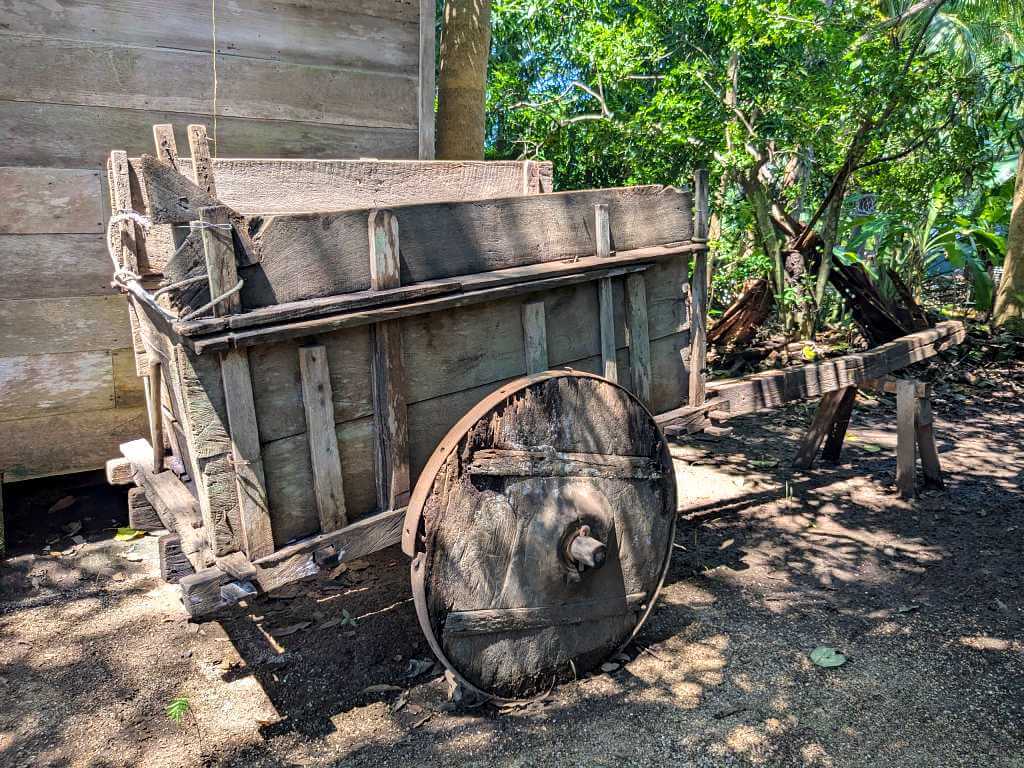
452 360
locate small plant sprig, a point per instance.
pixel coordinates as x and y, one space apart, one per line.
178 708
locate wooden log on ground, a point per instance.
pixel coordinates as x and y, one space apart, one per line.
772 389
741 321
142 516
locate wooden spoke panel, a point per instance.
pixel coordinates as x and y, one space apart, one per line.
500 580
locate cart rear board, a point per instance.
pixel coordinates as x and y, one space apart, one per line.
321 338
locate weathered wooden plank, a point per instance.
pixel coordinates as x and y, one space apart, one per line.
142 516
31 265
606 318
821 424
79 324
201 165
104 75
202 593
73 442
772 389
128 387
35 385
174 563
442 240
501 620
50 200
540 463
638 337
325 461
259 186
535 338
119 471
602 232
425 84
387 377
96 129
321 32
906 437
155 413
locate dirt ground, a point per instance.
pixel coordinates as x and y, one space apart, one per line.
924 598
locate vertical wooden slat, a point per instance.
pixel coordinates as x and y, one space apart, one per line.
166 148
121 200
425 106
250 480
638 334
606 310
156 414
699 294
317 400
3 540
202 166
602 232
926 443
388 369
906 412
535 339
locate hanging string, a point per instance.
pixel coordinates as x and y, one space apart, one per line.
213 25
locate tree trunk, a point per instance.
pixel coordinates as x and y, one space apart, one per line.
462 79
1009 307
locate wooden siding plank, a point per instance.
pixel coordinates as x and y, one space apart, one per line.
638 337
96 129
80 324
74 442
324 32
426 90
699 293
35 201
606 319
31 264
102 75
325 461
34 385
128 389
443 240
535 339
387 379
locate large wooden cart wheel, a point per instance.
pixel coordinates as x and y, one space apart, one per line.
541 530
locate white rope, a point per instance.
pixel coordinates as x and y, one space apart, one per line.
180 284
120 271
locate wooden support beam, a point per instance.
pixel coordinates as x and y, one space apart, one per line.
3 535
317 400
128 236
699 295
602 232
606 312
142 515
821 424
500 462
906 437
174 563
250 481
535 339
202 592
388 370
837 432
638 336
119 471
166 148
155 411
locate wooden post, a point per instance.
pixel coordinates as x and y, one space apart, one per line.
841 422
602 231
638 337
906 413
388 380
250 482
318 402
202 165
699 293
166 148
3 539
926 443
155 412
535 340
822 422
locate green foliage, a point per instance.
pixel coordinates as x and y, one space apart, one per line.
177 709
643 92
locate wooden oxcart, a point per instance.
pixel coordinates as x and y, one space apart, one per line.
343 354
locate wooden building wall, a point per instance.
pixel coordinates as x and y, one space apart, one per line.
294 78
